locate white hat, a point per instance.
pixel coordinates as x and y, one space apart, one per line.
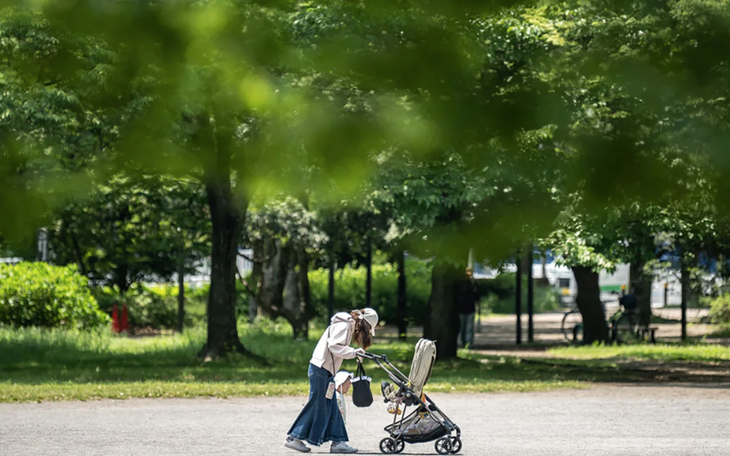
371 316
342 377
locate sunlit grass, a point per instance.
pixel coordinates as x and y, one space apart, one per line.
60 365
10 392
721 331
662 353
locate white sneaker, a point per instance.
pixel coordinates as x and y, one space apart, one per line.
342 447
296 444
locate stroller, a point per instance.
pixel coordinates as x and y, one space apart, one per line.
427 422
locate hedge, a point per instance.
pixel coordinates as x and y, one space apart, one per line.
350 290
42 295
498 295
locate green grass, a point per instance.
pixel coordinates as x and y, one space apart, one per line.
61 365
699 353
722 331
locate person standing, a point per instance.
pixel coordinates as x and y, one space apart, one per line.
467 308
321 421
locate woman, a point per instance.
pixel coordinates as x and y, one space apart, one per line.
320 421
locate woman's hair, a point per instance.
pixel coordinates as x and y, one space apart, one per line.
362 336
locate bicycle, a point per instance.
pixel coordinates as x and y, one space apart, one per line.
623 326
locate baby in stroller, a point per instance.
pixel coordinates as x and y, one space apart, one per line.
427 422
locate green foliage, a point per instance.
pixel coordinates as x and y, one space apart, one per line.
498 296
350 290
38 294
720 310
502 286
469 126
155 306
133 228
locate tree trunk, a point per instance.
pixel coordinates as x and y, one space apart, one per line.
79 256
271 295
443 315
180 296
255 280
294 305
331 287
641 287
227 224
369 277
227 214
518 301
279 293
530 298
120 278
685 282
402 311
304 293
590 306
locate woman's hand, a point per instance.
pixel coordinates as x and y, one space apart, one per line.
359 352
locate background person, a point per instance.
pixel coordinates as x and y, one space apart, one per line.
467 307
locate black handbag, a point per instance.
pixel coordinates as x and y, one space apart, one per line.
362 396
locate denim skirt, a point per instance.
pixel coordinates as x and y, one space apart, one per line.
320 421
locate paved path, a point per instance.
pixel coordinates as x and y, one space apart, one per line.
500 329
605 420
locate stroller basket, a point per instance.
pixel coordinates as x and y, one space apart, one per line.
417 427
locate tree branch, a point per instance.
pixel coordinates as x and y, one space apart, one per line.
244 282
252 260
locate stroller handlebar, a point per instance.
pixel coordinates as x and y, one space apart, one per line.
371 356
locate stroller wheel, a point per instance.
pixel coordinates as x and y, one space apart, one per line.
400 445
387 446
443 445
455 445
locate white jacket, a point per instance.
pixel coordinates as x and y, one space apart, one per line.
334 345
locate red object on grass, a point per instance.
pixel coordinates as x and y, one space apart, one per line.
115 319
125 322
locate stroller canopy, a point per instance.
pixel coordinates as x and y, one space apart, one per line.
423 360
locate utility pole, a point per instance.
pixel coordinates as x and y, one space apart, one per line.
684 279
518 299
331 287
530 298
180 296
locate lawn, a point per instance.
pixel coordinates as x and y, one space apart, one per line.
58 365
40 365
695 353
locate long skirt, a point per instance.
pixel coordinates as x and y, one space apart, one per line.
320 421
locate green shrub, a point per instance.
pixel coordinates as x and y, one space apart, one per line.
145 308
39 294
350 290
195 300
546 300
720 310
502 286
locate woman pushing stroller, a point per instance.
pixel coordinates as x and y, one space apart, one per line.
321 421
